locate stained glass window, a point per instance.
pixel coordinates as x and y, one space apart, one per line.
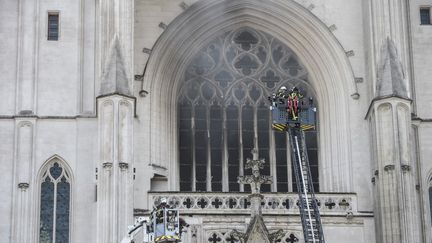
223 112
54 205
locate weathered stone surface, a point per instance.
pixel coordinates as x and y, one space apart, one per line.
392 79
114 79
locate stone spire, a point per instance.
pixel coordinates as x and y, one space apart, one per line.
391 77
114 76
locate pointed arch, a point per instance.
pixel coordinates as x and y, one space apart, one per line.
317 48
54 201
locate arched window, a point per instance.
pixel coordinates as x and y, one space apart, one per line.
430 200
54 214
224 112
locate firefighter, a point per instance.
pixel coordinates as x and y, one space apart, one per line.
160 210
282 94
294 97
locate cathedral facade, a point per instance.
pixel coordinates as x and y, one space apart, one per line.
108 106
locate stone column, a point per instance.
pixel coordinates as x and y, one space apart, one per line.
116 110
23 186
28 35
115 180
397 214
396 209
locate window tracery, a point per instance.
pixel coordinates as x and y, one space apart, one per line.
54 205
223 112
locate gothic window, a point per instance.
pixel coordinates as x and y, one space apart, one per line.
54 205
430 200
223 112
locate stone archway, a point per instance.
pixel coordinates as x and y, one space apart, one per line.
330 75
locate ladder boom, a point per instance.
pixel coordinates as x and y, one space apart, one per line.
309 209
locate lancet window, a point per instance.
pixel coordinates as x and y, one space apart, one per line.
54 214
223 112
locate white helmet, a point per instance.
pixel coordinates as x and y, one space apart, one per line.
283 88
163 200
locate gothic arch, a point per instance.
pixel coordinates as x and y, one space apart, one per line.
67 172
330 74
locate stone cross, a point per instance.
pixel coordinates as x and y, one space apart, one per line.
256 179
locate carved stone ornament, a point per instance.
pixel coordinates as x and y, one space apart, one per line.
107 165
389 167
406 168
273 237
349 215
23 185
256 179
123 165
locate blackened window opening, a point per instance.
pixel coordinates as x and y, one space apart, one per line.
224 114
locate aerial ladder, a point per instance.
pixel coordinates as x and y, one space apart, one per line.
163 226
293 113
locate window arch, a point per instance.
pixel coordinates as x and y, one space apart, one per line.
223 112
430 198
55 203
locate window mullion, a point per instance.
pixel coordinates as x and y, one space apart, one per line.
289 163
225 176
272 156
54 211
255 123
241 155
209 175
193 150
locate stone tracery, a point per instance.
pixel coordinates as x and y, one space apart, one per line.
225 91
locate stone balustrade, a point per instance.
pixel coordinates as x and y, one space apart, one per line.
239 203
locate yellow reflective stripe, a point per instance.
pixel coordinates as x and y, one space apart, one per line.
307 127
279 127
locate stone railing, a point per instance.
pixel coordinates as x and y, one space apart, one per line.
238 203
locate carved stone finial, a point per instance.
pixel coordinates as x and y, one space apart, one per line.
256 179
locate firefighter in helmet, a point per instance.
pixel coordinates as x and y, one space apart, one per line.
294 97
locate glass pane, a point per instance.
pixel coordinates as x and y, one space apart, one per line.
62 211
46 211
